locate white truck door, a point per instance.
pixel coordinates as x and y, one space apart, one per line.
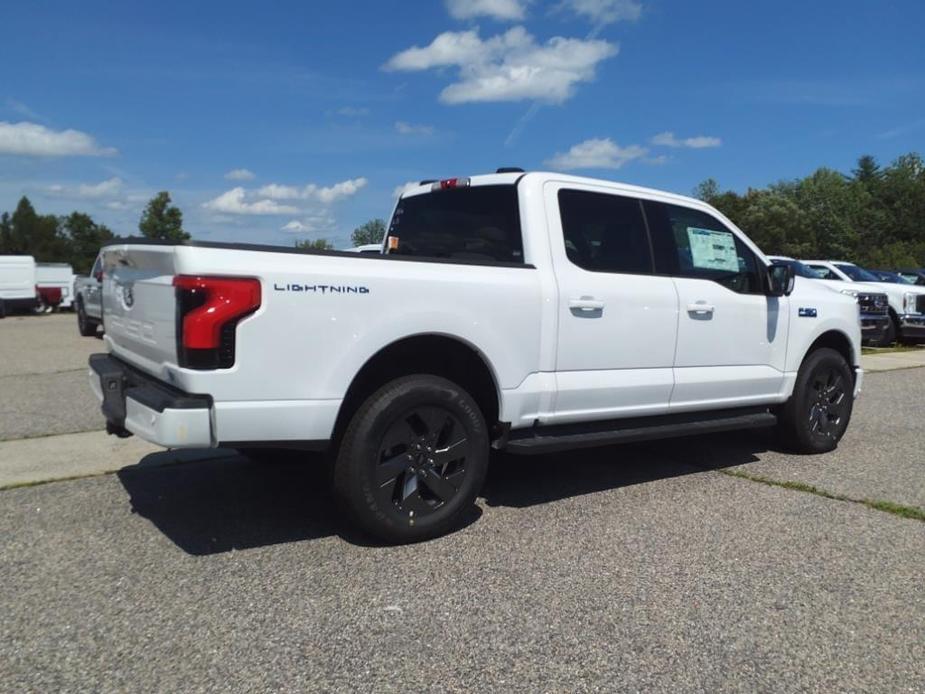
617 320
732 337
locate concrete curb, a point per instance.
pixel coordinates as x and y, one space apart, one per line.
51 458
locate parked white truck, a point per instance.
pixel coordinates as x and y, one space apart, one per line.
528 312
17 284
88 292
58 276
907 302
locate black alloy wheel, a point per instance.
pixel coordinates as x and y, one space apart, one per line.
422 461
412 459
828 404
817 414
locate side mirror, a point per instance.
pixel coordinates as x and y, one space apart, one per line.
98 275
781 280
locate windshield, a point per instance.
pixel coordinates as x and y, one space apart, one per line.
799 269
481 223
858 274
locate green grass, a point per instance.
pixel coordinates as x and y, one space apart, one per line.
900 510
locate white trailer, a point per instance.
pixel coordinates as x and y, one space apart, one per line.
58 275
17 283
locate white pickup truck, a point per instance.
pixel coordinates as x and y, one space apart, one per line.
528 312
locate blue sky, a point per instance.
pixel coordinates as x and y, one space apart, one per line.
324 109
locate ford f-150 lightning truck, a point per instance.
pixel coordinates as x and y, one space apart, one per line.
530 312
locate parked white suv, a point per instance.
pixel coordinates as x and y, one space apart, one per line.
907 302
527 312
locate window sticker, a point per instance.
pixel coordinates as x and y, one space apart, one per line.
713 250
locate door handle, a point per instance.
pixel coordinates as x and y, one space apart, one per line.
700 308
586 303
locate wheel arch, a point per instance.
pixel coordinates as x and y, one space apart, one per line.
437 354
840 342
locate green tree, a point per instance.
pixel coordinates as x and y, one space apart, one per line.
371 232
867 171
85 237
35 234
6 233
161 220
707 190
316 245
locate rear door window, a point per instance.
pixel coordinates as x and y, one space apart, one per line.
604 233
481 224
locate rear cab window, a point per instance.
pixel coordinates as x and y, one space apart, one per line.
477 224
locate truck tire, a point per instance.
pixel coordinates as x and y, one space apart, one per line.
816 416
412 460
85 325
891 333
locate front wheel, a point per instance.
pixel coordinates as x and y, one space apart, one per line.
412 459
817 414
85 325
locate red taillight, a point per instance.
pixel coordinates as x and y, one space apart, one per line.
450 183
208 309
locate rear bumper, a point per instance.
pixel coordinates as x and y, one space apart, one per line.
912 326
874 328
134 403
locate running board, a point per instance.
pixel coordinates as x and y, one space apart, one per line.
553 439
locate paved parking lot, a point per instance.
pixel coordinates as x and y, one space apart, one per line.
708 564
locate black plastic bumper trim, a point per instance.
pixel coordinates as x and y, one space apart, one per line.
119 381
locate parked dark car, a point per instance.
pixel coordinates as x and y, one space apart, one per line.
913 276
889 276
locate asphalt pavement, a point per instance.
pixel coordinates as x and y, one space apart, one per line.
644 567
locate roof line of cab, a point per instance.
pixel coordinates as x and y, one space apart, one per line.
514 177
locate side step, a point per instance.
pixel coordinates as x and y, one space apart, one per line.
552 439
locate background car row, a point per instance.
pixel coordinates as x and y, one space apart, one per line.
890 311
26 285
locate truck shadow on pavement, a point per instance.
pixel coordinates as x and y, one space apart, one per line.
218 504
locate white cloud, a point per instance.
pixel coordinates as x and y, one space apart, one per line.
104 189
352 111
598 153
404 128
404 188
325 195
32 139
510 10
508 67
240 175
312 222
667 139
605 11
233 202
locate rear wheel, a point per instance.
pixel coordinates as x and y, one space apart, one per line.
85 325
412 459
817 414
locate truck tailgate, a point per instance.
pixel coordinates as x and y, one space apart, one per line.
139 304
